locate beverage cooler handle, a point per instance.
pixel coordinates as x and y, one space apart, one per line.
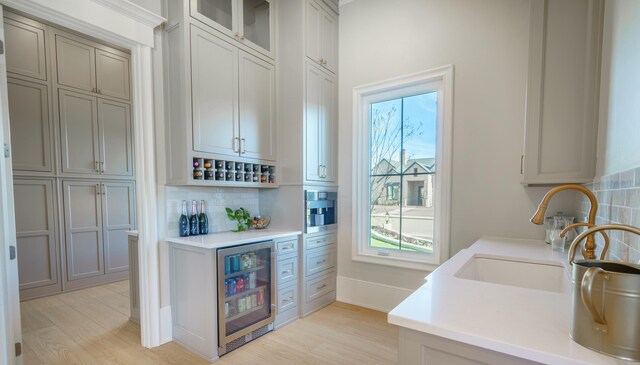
274 292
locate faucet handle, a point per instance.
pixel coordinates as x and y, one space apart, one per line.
591 231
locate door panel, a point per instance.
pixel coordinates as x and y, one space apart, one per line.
214 79
35 232
313 104
257 108
327 125
116 149
79 133
328 40
83 227
31 132
314 12
112 74
25 44
76 64
118 217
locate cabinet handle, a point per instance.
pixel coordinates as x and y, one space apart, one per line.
321 61
287 300
237 35
242 37
321 262
97 166
98 192
99 91
286 272
104 190
102 167
94 90
321 287
236 141
243 146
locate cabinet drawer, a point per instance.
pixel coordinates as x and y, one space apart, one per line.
320 241
287 270
287 248
287 298
319 261
317 287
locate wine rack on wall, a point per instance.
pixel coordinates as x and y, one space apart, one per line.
229 172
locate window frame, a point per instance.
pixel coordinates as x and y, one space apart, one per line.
440 80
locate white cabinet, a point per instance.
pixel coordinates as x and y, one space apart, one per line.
249 23
82 65
287 281
319 271
95 134
233 99
320 119
321 36
562 96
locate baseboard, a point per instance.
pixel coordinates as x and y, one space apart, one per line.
166 325
370 295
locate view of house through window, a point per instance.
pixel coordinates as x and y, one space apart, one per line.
402 159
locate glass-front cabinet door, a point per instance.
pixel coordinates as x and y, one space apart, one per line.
245 289
248 22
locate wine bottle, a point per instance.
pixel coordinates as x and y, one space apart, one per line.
203 221
183 223
193 220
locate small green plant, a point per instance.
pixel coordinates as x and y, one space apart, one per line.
242 216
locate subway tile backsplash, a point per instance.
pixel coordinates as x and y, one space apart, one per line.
216 200
619 202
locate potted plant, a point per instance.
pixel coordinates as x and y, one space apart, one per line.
242 217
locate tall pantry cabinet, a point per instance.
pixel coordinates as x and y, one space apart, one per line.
72 155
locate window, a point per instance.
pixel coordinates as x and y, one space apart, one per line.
402 184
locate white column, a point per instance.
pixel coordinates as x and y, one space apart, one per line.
144 146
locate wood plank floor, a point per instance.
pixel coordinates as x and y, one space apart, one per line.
92 326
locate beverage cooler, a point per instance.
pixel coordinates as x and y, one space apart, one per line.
246 293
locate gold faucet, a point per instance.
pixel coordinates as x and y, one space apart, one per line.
586 224
591 231
589 248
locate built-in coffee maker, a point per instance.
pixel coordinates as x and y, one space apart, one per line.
321 210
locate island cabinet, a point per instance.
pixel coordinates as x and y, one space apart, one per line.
221 97
307 92
562 91
203 312
418 348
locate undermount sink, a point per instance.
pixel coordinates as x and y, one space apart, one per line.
513 271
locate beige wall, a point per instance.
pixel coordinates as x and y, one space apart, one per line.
619 124
487 42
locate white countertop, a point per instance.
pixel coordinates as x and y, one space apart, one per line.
526 323
229 238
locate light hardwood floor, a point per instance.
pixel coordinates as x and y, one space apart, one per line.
91 326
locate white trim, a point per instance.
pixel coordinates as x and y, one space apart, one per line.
134 11
96 18
441 80
370 295
342 3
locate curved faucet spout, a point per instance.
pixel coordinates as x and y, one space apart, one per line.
538 217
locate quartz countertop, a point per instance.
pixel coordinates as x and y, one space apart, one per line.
228 238
526 323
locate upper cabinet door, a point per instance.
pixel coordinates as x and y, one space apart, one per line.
321 36
313 15
256 25
248 22
31 132
75 64
114 120
79 133
313 116
112 74
25 44
329 41
327 127
562 91
214 93
257 108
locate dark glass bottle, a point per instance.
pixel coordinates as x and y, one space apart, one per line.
203 221
183 223
193 220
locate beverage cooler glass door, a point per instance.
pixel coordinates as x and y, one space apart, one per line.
246 289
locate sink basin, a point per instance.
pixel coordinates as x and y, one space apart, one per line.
513 271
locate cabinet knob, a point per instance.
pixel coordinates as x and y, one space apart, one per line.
242 37
237 35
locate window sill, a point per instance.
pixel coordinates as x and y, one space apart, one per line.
395 262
